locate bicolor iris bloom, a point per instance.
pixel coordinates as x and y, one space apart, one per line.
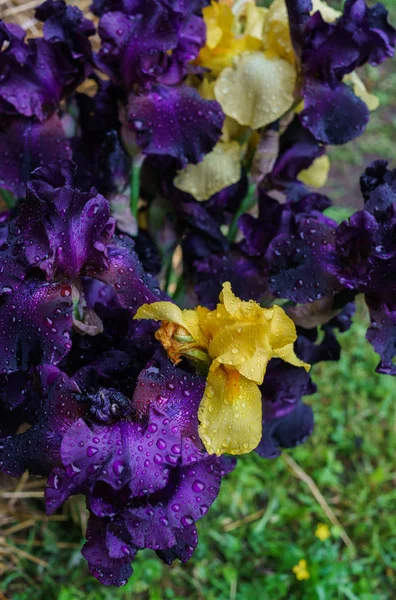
233 345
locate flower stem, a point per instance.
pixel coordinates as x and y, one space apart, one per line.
137 163
8 198
247 203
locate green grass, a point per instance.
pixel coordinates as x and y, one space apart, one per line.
351 459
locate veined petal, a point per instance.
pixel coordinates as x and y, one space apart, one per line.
230 413
257 90
218 170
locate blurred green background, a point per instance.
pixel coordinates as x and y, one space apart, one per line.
266 517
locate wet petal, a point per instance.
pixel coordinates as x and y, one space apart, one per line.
257 90
276 35
219 169
230 413
164 118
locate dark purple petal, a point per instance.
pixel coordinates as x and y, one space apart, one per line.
26 144
314 349
173 391
378 186
287 422
134 48
367 251
5 217
98 551
66 24
62 227
121 455
35 76
299 11
276 218
227 464
298 148
38 448
12 262
334 115
175 122
149 41
286 432
201 232
125 274
370 29
329 51
35 325
382 334
186 542
148 252
15 389
247 276
301 266
186 499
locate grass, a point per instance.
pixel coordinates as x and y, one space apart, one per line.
265 518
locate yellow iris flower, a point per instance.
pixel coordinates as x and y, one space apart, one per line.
223 40
233 345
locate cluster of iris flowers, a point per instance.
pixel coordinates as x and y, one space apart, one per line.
168 273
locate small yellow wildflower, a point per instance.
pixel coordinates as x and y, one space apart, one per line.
232 345
322 532
301 570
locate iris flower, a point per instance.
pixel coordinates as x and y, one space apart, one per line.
232 345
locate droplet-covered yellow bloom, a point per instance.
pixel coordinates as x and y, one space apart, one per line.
234 344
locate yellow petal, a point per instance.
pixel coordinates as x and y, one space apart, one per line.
316 175
257 90
288 355
167 311
161 311
254 17
218 170
222 44
328 13
282 330
235 344
240 309
227 297
360 90
206 89
276 33
230 414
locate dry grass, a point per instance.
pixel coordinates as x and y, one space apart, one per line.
22 13
22 508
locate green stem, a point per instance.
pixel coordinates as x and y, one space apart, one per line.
247 203
137 163
8 198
